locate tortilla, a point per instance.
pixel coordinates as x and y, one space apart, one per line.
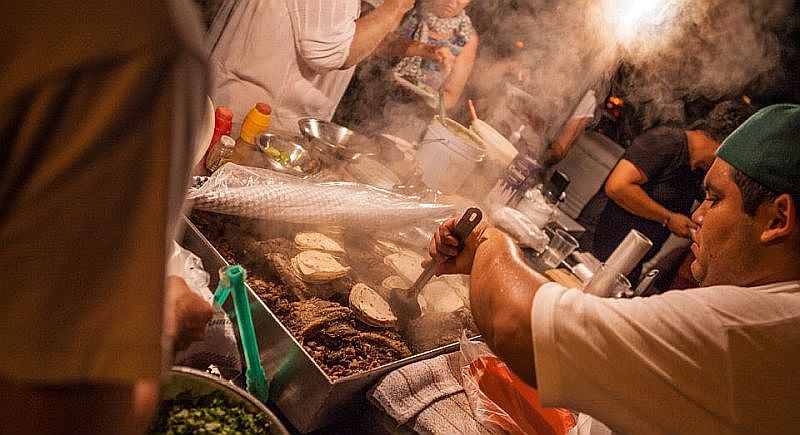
317 267
406 263
370 307
440 296
317 242
395 281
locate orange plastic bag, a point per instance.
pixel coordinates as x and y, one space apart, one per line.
501 400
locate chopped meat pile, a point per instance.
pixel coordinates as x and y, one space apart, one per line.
327 328
317 314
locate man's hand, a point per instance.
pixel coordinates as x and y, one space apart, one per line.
681 225
444 249
186 313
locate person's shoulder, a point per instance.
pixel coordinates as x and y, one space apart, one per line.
659 138
664 131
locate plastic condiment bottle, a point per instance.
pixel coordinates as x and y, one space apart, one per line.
223 120
245 151
221 152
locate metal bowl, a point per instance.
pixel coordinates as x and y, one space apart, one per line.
334 140
197 383
296 159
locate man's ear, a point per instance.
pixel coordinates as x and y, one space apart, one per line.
781 218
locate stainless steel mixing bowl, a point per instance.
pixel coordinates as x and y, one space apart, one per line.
285 155
334 140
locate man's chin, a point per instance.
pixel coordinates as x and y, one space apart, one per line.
698 272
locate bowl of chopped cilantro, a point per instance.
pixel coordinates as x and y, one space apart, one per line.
194 402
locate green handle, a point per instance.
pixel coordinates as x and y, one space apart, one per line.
232 281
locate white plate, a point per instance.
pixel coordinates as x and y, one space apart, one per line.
498 146
204 133
429 95
403 145
371 172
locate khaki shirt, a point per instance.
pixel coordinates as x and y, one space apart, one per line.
99 99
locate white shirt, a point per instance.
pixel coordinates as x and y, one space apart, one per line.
709 360
286 53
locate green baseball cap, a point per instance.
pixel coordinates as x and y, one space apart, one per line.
766 147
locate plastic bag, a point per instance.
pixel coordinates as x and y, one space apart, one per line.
502 401
264 194
520 227
219 347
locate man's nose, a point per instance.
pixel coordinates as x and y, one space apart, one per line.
700 213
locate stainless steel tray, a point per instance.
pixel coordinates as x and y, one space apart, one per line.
300 389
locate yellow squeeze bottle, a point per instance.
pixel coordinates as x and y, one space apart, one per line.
245 151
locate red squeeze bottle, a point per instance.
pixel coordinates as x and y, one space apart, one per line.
223 118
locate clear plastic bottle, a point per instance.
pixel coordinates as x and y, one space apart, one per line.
221 152
520 175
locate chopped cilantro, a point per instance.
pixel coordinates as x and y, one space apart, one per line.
209 414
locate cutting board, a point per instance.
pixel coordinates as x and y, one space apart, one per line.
564 277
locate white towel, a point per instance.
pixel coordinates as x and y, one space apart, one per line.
428 397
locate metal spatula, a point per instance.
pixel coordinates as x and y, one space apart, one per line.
442 111
404 302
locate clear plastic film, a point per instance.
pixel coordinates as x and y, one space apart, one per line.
264 194
219 347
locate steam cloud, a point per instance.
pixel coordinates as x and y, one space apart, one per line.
707 48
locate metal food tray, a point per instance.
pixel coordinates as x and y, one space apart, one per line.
305 395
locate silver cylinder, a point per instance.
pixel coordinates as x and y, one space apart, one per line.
632 249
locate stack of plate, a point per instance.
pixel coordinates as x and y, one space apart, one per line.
369 171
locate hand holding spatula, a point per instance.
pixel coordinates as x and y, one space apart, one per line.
404 303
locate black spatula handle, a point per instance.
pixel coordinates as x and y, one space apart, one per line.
471 218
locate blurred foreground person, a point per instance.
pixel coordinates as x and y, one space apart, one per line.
717 359
100 102
297 55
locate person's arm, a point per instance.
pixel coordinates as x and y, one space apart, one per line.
563 143
624 187
395 45
573 128
372 28
186 313
462 67
502 289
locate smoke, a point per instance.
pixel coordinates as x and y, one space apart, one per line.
719 47
675 50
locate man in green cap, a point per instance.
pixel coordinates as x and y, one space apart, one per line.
722 358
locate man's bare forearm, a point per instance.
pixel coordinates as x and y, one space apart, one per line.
372 28
635 200
502 289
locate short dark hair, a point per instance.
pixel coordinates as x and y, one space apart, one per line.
724 118
754 193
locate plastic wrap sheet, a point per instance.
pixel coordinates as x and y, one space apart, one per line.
264 194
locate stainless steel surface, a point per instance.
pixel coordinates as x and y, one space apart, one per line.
299 158
646 283
626 256
442 112
588 163
334 140
198 383
302 391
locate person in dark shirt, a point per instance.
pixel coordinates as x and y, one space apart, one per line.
659 177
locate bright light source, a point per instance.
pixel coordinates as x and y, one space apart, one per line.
638 23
